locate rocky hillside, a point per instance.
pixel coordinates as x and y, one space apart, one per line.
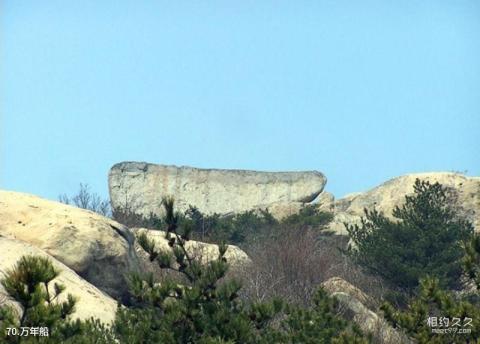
392 193
141 186
94 254
97 248
90 250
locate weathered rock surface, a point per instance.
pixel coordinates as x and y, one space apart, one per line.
91 301
337 284
142 186
325 201
204 251
97 248
352 302
386 196
281 210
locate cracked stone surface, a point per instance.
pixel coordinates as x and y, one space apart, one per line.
97 248
142 186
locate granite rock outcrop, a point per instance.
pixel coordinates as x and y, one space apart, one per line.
141 186
97 248
91 301
386 196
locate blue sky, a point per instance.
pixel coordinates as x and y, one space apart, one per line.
362 91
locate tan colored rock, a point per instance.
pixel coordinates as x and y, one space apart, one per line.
97 248
142 186
325 201
337 284
352 303
91 301
386 196
207 252
281 210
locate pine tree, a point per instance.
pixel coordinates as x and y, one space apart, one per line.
30 284
425 238
204 307
471 260
434 308
422 317
319 324
198 308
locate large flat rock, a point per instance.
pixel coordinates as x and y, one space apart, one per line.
392 193
142 186
91 301
97 248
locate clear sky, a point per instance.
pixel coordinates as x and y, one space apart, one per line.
361 90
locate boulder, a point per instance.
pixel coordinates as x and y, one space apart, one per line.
337 284
325 201
141 186
204 251
281 210
97 248
392 193
91 301
352 305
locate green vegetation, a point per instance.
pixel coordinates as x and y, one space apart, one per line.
436 316
423 252
202 306
29 284
426 251
471 260
425 239
319 324
197 304
244 228
233 229
308 216
236 229
194 308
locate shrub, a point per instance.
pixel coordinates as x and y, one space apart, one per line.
309 216
131 219
290 264
425 239
250 226
236 229
233 229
